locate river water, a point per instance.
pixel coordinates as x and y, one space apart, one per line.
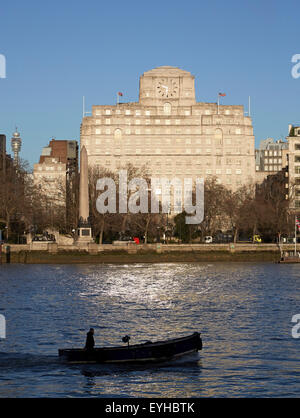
243 311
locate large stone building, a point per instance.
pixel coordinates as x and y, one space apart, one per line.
280 161
172 134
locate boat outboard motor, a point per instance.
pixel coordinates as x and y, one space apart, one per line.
126 339
200 342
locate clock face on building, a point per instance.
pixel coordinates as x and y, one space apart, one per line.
167 88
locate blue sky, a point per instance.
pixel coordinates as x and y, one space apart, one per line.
58 51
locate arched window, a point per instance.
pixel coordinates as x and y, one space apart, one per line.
167 108
118 134
219 136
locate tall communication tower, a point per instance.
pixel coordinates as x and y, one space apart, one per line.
16 143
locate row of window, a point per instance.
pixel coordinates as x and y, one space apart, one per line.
51 168
139 151
110 121
48 175
167 109
274 153
273 160
273 167
168 141
228 180
143 122
228 171
181 164
167 122
119 133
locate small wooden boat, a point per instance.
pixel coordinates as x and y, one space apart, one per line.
147 352
289 260
289 257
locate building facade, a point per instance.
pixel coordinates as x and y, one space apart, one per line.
294 165
171 134
56 175
270 158
2 154
6 161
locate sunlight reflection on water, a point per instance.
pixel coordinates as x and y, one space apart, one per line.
243 311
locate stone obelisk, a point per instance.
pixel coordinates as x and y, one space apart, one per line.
83 186
84 227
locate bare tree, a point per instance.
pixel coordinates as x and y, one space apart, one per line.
238 206
272 201
101 222
12 194
214 196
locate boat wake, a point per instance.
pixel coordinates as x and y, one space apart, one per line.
26 360
188 358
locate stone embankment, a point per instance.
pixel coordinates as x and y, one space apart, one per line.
48 252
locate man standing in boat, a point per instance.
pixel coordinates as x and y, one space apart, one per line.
89 344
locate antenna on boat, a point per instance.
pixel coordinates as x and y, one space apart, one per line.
126 339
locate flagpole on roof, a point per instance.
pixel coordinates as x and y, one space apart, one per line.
249 107
118 96
220 94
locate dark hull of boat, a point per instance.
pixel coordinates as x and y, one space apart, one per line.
148 352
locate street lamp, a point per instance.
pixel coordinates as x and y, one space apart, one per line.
294 209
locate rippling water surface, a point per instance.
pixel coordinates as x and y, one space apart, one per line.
243 311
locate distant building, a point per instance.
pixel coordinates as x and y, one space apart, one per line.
270 158
2 153
56 174
6 161
278 181
294 165
2 144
